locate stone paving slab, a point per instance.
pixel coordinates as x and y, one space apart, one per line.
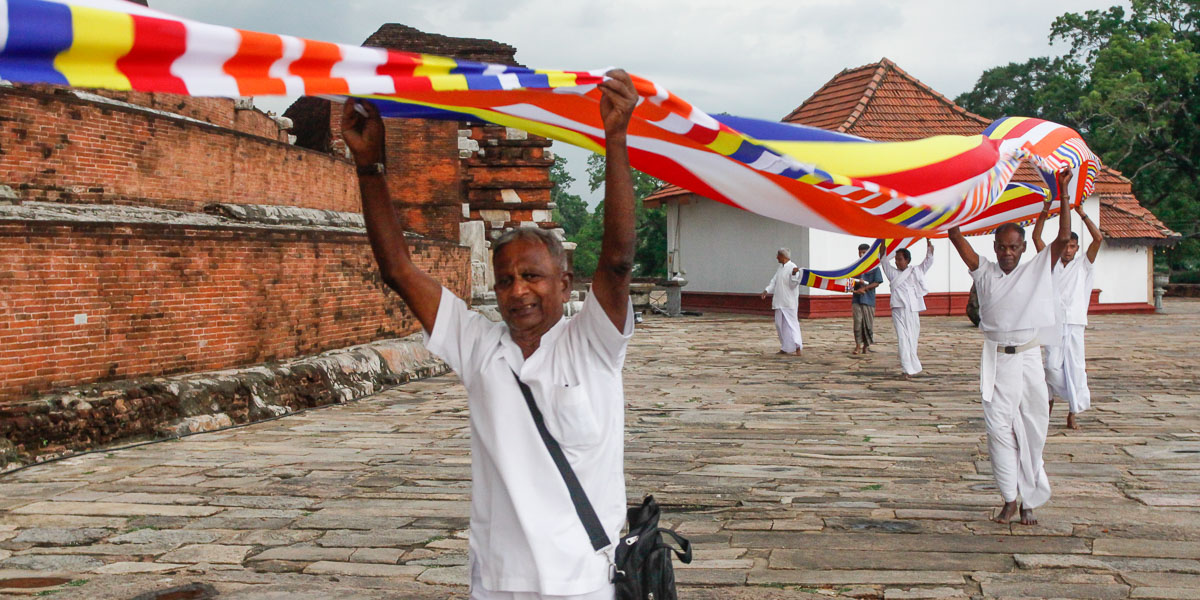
795 478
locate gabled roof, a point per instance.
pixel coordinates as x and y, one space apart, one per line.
882 102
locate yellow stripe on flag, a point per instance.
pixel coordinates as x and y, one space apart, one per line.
864 159
101 37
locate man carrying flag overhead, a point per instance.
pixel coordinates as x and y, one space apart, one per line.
1066 373
527 542
1016 303
907 283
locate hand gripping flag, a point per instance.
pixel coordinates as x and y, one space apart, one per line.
800 175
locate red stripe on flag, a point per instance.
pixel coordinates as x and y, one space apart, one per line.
156 45
315 65
942 174
251 66
400 67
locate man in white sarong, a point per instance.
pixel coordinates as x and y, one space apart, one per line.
1015 304
908 302
526 540
785 287
1066 372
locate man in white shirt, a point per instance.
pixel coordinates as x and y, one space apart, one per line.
1016 303
526 540
785 288
1066 371
908 302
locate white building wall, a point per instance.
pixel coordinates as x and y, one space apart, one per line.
729 250
1122 274
724 249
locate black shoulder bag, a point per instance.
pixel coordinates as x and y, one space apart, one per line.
642 568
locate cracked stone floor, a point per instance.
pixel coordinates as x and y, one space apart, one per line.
821 476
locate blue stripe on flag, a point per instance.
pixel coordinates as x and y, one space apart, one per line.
747 152
533 80
37 32
483 82
784 132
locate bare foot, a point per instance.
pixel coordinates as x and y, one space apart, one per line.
781 352
798 352
857 350
1052 404
1007 512
907 377
1071 422
1027 517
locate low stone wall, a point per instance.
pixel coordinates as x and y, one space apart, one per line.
93 416
104 293
1183 290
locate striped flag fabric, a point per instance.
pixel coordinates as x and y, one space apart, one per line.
801 175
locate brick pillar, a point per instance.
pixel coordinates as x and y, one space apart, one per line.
508 179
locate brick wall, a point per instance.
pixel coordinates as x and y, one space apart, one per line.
218 111
424 172
57 147
161 300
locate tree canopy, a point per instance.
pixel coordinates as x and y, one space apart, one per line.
1130 83
587 229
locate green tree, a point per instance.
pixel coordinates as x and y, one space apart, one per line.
571 211
1130 82
650 254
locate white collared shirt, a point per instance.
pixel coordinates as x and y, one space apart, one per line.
908 286
785 287
1014 308
525 534
1074 282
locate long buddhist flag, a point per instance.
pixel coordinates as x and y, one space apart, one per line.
800 175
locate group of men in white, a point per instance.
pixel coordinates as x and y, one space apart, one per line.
538 374
1032 316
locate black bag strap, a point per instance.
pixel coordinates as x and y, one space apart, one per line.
583 507
684 552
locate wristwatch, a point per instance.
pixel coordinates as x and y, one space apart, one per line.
371 169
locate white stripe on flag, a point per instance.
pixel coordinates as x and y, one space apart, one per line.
201 67
359 67
293 49
3 24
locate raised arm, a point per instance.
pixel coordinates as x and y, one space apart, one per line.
928 262
615 266
364 136
1038 244
1064 218
964 249
1093 231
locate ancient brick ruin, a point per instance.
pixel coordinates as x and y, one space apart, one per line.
145 235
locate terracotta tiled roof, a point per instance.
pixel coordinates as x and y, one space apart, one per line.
1123 218
882 102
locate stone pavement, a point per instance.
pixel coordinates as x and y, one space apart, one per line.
807 477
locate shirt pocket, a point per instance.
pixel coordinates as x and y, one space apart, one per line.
576 424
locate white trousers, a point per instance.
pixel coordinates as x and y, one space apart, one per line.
1017 417
478 592
908 331
787 324
1066 371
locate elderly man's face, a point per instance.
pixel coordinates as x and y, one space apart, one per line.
782 258
531 287
1009 247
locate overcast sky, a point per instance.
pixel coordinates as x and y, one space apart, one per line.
754 58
